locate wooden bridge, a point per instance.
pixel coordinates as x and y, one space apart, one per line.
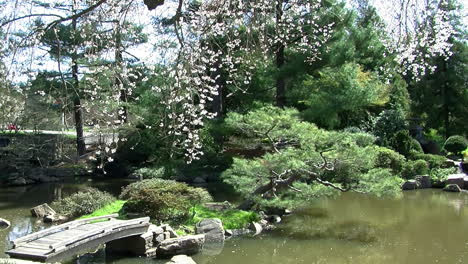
75 237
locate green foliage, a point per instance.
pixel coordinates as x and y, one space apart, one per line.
434 161
149 173
82 203
231 219
382 182
387 124
339 96
112 208
405 144
414 167
440 174
387 158
294 148
162 200
433 135
456 144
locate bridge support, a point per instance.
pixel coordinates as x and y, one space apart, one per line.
141 245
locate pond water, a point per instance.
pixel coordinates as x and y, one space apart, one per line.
426 226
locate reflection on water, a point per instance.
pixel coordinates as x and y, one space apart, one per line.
428 226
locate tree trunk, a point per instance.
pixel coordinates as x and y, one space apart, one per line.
78 110
280 81
123 112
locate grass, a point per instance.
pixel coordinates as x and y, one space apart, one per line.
112 208
232 219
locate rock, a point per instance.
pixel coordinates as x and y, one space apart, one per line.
212 228
53 218
42 210
4 224
275 219
172 233
256 228
452 188
464 167
199 180
187 245
18 182
181 259
424 181
457 179
218 206
157 239
450 164
237 232
409 185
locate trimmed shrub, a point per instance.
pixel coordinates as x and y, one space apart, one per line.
387 158
414 167
434 161
456 144
163 200
405 144
82 203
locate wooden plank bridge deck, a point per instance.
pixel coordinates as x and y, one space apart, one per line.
74 237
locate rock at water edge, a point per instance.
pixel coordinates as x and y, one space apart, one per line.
256 228
181 259
42 210
4 224
452 188
212 228
457 179
187 245
424 181
409 185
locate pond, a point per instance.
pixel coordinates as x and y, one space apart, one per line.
426 226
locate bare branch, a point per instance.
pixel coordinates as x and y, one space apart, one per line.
28 16
75 16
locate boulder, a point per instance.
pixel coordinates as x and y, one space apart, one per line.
181 259
199 180
256 228
409 185
42 210
18 182
172 233
275 219
218 206
4 224
452 188
212 229
54 218
457 179
237 232
424 181
187 245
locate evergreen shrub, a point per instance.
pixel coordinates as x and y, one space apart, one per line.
387 158
414 167
456 144
82 203
162 200
434 161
